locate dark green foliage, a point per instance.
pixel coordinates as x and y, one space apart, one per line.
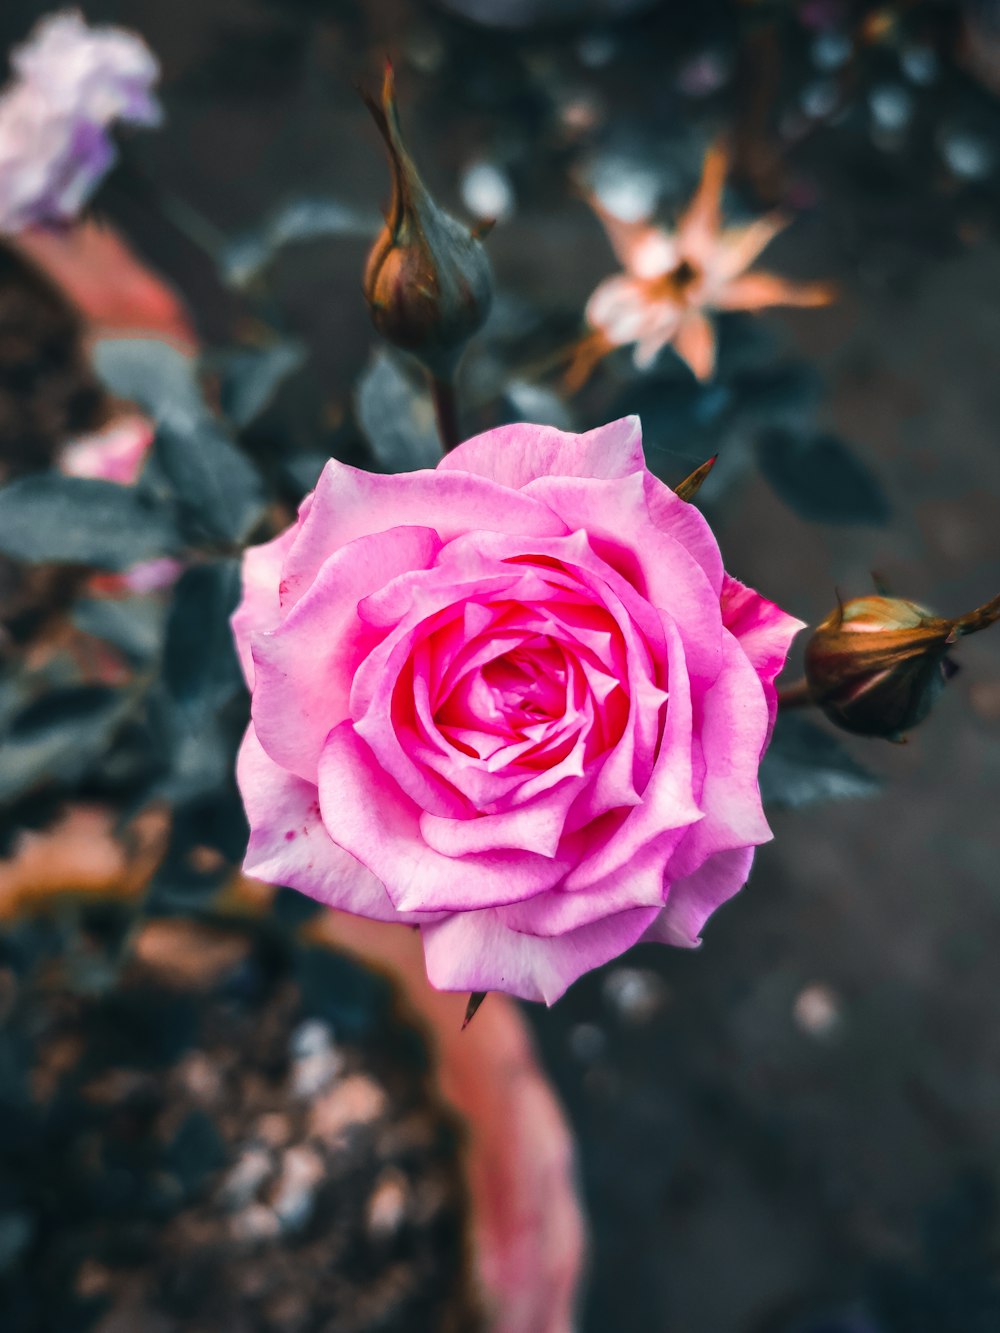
396 414
168 726
155 376
200 707
59 736
821 478
249 378
217 489
805 764
77 520
133 625
299 221
214 490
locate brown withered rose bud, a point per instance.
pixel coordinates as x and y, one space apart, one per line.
428 281
876 664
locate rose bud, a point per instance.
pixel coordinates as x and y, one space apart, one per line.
428 281
876 665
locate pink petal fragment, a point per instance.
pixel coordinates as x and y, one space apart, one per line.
694 343
759 291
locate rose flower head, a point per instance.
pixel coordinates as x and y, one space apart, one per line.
71 82
673 281
514 701
877 664
428 281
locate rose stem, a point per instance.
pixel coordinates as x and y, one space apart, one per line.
446 408
980 618
796 695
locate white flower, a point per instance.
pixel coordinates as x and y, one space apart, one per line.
71 83
94 74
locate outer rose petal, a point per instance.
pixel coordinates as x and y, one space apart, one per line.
289 845
693 900
348 504
687 525
477 951
259 609
304 668
516 455
732 732
765 633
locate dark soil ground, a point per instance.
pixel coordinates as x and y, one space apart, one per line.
234 1133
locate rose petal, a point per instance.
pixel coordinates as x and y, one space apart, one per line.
305 667
668 801
641 884
259 609
478 951
516 455
536 827
366 813
764 631
614 514
348 504
731 724
686 524
693 900
289 844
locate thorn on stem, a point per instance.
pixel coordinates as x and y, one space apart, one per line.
472 1008
690 486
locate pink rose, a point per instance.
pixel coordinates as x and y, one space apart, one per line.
514 701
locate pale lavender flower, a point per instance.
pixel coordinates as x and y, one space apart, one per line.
96 74
71 83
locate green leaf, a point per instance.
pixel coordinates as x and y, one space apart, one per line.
133 625
78 520
251 377
155 376
200 666
298 221
58 737
218 490
199 707
805 764
396 413
821 478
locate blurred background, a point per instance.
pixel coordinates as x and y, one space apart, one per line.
794 1129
